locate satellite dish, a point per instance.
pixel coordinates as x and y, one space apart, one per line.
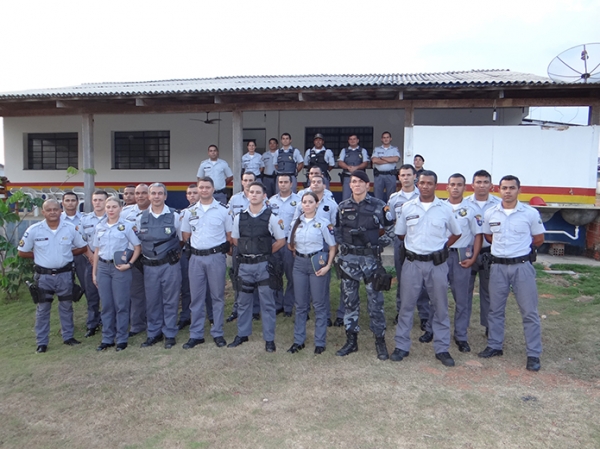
580 64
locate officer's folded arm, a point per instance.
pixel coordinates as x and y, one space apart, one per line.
25 254
538 240
78 251
277 245
452 240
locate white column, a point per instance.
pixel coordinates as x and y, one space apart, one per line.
237 125
87 137
409 122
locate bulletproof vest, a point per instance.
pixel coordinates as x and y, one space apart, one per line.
360 222
285 162
158 235
255 237
353 157
318 160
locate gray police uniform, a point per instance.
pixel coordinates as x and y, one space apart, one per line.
326 193
287 161
426 232
457 275
284 209
395 207
162 273
252 163
137 314
483 263
511 267
208 229
308 240
80 262
268 178
255 234
52 250
218 171
114 285
385 174
238 203
354 157
87 230
323 159
357 233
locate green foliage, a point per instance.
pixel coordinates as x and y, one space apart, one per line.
14 270
72 171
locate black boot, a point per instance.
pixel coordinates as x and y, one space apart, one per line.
350 346
381 348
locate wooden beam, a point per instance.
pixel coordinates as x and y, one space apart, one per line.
87 138
237 127
409 123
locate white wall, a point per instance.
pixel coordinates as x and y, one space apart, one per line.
538 156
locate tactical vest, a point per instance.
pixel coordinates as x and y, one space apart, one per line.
360 222
255 237
285 162
318 160
353 157
158 235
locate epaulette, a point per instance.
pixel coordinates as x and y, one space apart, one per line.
222 204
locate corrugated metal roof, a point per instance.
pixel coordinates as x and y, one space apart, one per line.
472 78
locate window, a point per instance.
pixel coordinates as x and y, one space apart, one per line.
336 138
52 151
142 150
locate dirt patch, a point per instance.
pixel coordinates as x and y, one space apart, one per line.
584 299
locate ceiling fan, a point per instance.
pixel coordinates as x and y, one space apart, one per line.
207 121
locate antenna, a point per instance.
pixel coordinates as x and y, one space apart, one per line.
580 64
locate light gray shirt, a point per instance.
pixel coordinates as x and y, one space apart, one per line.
218 171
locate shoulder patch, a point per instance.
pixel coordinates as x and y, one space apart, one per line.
330 227
281 224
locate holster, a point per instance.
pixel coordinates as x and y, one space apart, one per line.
486 261
439 257
533 254
381 280
173 256
233 279
275 270
35 293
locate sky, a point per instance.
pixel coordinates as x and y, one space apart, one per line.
65 42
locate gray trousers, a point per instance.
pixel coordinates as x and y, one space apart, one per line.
220 197
270 186
251 274
137 315
61 284
459 285
435 279
80 262
93 300
186 297
346 192
162 285
285 299
484 290
114 287
423 302
384 186
306 285
255 302
521 277
207 277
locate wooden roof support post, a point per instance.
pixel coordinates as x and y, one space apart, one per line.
409 123
237 126
87 137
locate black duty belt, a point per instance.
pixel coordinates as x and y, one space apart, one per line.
306 256
365 251
41 270
104 260
510 260
273 176
222 248
154 262
487 249
222 190
379 172
420 257
253 259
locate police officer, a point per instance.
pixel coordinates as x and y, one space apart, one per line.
88 229
424 224
327 209
129 195
418 162
407 192
51 244
71 214
113 276
269 159
208 227
359 221
137 315
238 203
481 201
289 160
316 171
384 160
252 161
157 230
283 206
218 170
513 228
463 254
253 231
319 156
351 159
306 240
